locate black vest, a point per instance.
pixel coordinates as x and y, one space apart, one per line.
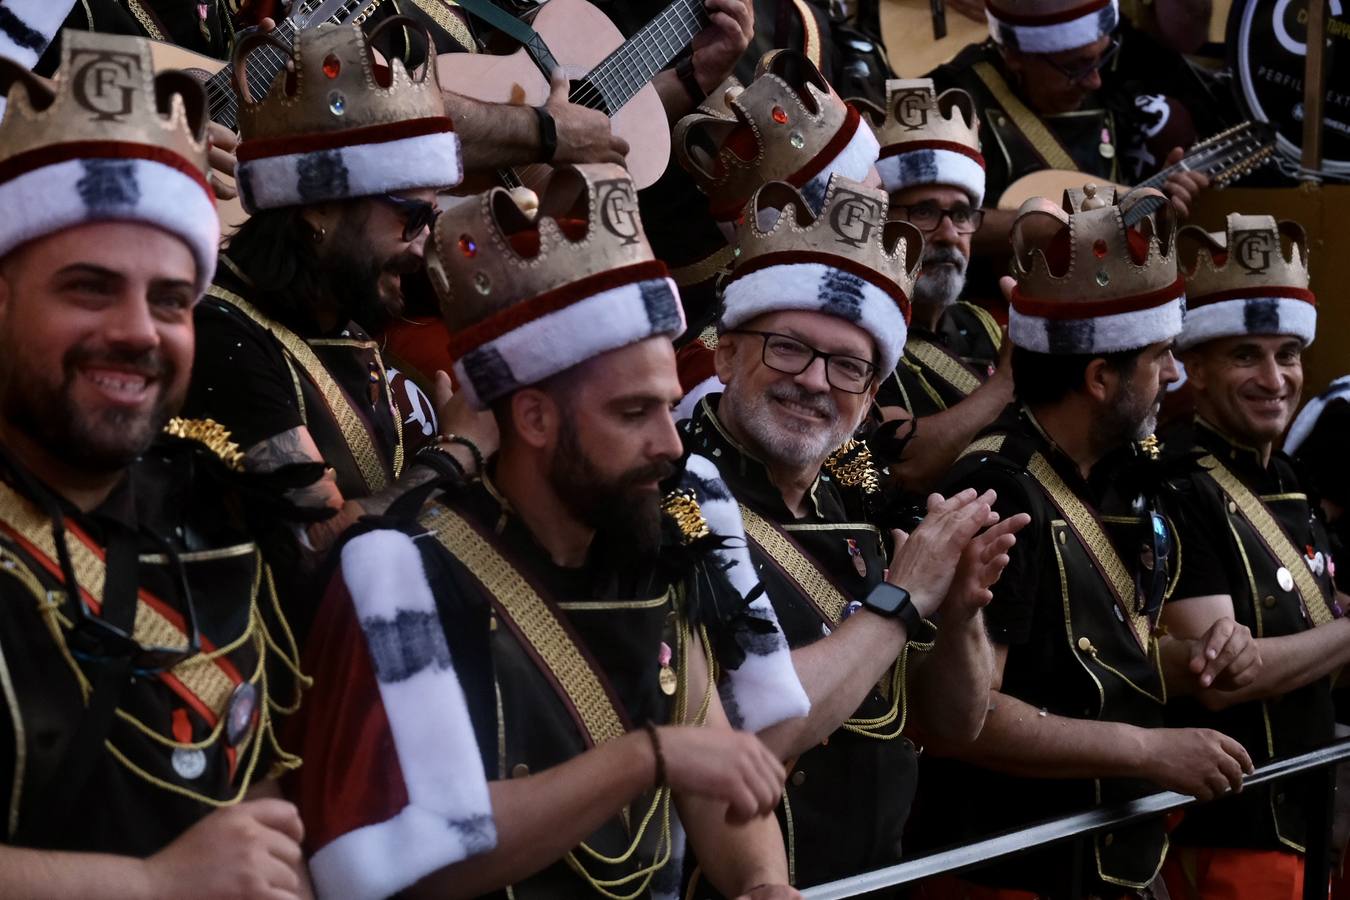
847 800
940 369
1271 816
1095 658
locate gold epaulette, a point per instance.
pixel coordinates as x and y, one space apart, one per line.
682 506
1150 447
851 466
210 434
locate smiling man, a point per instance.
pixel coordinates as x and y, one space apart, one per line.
341 181
1252 548
814 310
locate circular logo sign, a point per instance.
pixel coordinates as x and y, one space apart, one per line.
1268 41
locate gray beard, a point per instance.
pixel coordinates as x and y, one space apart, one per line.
792 445
939 286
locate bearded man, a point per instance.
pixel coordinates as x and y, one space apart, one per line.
513 674
1253 548
954 377
814 309
342 180
137 649
1081 676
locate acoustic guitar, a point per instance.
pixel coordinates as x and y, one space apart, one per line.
607 73
1224 157
907 29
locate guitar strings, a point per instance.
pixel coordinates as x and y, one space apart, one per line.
614 90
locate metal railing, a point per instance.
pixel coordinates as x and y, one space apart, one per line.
1316 767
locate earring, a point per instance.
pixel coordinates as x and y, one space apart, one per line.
318 234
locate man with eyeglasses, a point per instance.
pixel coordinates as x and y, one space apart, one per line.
954 377
1049 98
341 181
1081 674
1252 548
139 643
812 314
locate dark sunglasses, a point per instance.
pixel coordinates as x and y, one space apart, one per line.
416 214
1151 576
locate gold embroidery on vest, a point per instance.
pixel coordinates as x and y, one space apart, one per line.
353 428
942 364
1276 539
991 444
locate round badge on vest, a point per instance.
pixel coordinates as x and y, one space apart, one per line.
241 713
1285 578
189 764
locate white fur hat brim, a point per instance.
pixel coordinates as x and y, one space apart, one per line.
1109 333
1273 315
924 164
1028 36
820 288
115 188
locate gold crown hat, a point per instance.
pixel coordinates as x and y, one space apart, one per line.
336 126
527 296
108 140
847 261
787 125
928 138
1245 280
1050 26
1095 284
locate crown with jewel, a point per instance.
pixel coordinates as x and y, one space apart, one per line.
335 125
1050 26
847 261
107 140
787 125
529 295
928 138
1251 278
1095 284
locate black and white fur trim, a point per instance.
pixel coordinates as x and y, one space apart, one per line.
357 170
1056 37
764 689
449 814
1306 420
816 287
930 165
1250 315
1101 334
76 192
557 341
27 27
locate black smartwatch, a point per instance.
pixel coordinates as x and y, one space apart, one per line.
548 135
894 603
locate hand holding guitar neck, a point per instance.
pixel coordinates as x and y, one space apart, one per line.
584 135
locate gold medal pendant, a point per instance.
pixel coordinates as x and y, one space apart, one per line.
668 681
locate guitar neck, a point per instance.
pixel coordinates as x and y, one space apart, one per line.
262 67
628 69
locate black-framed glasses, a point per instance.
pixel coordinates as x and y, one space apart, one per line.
416 214
790 356
928 217
1080 73
1152 575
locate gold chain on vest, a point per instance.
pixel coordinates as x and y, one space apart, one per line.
353 428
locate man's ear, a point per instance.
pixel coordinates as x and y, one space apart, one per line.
1193 361
321 219
535 417
724 357
1100 381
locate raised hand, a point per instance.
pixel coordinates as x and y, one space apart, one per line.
925 562
584 135
731 25
1182 187
981 565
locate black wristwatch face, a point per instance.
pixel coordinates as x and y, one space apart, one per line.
886 599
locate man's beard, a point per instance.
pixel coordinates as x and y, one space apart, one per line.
787 442
943 277
1132 417
99 440
352 281
613 506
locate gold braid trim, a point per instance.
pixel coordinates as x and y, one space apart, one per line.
991 444
440 12
819 589
1031 126
943 365
988 322
354 431
538 625
1090 534
851 467
1276 539
199 675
